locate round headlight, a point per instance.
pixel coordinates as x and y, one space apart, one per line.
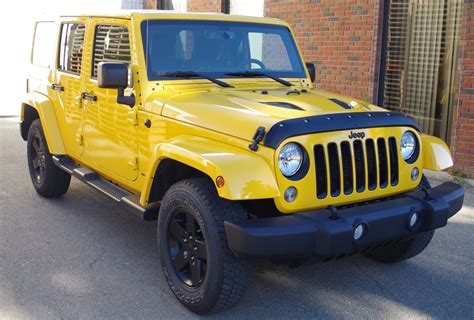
290 159
407 145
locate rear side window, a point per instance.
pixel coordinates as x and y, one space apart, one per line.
44 44
111 44
70 49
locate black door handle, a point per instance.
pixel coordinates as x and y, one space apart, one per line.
87 96
57 87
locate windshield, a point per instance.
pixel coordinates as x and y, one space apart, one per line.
216 48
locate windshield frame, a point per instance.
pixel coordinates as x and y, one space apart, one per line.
153 76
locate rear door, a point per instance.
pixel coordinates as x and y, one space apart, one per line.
110 129
67 83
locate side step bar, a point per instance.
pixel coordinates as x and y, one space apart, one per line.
122 196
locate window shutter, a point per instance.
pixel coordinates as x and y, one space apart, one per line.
419 58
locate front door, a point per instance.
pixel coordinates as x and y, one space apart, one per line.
67 82
110 131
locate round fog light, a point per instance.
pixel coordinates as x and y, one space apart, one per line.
290 194
359 231
413 219
414 174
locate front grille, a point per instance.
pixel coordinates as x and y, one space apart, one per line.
355 166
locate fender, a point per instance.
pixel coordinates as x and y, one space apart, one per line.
47 115
436 154
247 176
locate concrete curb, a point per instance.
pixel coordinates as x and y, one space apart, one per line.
443 175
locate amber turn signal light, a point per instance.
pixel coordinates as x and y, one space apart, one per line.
220 181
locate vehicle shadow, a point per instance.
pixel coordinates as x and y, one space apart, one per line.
122 251
83 256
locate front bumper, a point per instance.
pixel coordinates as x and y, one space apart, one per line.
317 233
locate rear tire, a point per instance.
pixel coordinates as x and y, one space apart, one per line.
199 267
49 181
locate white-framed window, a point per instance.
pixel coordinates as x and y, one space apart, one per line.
44 44
246 7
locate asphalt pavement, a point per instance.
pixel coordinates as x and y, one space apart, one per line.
82 256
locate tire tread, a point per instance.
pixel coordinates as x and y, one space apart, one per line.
56 181
237 271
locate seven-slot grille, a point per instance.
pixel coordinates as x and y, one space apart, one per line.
355 166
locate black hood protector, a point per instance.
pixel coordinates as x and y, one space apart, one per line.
335 122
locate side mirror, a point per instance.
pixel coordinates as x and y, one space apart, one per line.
311 70
114 75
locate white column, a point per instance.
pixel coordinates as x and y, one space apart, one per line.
132 4
247 7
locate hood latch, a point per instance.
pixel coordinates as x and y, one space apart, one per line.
257 137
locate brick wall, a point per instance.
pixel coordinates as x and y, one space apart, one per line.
341 37
193 5
462 142
206 5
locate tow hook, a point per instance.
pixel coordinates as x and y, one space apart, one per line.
333 215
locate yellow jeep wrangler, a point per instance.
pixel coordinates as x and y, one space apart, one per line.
211 125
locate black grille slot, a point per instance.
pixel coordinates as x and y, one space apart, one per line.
347 167
359 165
392 146
321 176
383 162
335 179
371 164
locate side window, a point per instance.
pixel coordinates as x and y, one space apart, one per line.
70 49
44 44
111 44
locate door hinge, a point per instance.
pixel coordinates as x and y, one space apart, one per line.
79 101
133 162
80 139
133 117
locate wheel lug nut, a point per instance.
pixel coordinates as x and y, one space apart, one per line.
185 240
192 257
190 237
195 248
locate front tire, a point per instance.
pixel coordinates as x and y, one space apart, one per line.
49 181
199 267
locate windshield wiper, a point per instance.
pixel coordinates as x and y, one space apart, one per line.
251 74
192 74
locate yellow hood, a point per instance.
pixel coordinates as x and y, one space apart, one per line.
239 113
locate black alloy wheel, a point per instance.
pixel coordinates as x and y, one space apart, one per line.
49 180
187 248
38 158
